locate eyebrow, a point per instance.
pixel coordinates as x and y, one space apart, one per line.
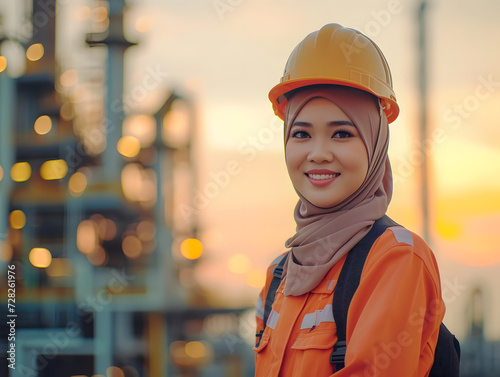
332 123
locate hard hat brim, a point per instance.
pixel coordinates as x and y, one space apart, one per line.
277 95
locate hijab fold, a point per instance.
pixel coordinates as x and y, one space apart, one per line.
324 235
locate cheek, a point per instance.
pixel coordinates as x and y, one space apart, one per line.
356 159
292 158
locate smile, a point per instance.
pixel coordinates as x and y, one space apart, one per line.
321 180
322 176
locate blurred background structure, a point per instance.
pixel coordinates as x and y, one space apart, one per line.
91 220
143 190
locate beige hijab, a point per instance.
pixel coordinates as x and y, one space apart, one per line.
325 235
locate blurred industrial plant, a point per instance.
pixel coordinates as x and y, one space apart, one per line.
94 213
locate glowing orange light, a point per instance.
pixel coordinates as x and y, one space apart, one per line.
17 219
132 246
77 184
54 169
40 257
86 237
195 349
191 248
129 146
35 52
3 63
20 172
43 125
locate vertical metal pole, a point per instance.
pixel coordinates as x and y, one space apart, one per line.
112 162
103 339
423 121
7 104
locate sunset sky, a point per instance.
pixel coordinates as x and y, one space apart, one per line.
229 53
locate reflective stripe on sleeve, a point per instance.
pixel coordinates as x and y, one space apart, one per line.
259 309
273 319
314 319
402 235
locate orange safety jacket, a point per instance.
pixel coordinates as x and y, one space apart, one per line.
392 324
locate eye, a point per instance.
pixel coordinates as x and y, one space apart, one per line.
300 135
342 134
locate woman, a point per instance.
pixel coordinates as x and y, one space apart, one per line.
336 100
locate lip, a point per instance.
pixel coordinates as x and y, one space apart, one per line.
321 182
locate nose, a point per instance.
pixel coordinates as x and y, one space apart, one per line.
321 151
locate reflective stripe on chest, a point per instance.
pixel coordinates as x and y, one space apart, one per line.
312 320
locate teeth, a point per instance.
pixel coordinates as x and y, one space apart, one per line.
322 176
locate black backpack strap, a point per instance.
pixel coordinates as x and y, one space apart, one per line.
271 292
348 283
446 354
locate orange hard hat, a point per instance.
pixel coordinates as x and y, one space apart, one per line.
339 56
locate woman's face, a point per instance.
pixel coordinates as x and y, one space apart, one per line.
325 155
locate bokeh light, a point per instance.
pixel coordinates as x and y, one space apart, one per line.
131 246
143 24
239 264
107 229
128 146
35 52
114 372
43 125
67 112
17 219
20 172
139 184
77 184
140 126
40 257
69 77
448 230
99 14
195 349
54 169
82 13
146 230
99 257
3 63
86 236
191 248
